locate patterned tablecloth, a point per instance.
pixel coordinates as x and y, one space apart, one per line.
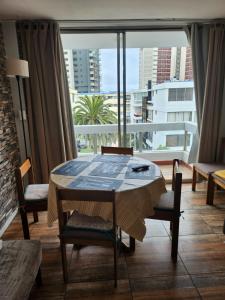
136 193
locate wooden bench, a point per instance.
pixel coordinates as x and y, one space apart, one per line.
19 268
212 182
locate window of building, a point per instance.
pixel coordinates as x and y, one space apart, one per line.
180 116
180 94
177 140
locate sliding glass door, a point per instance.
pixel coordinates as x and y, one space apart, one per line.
127 88
92 69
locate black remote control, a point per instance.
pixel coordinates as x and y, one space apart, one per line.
140 168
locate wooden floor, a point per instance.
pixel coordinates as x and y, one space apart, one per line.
149 272
186 172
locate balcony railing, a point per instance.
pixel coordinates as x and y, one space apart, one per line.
138 131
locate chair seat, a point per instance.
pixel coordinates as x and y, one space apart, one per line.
84 222
166 202
208 168
35 192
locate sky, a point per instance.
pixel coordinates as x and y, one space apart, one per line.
109 69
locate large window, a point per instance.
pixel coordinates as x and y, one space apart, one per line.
122 82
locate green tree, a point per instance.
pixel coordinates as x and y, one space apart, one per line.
91 110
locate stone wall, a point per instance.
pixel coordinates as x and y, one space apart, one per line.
9 153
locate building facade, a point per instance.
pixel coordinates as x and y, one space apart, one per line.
83 69
163 64
172 102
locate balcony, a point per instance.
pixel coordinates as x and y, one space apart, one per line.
141 136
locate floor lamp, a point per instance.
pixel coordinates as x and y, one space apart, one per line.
18 68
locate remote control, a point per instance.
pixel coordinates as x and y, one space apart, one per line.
140 168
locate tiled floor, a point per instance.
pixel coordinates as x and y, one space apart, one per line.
148 273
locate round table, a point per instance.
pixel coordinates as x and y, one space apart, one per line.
136 193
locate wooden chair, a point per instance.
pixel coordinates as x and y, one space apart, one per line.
168 208
206 170
32 198
117 150
86 230
124 151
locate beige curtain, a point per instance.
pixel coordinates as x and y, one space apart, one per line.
47 97
208 52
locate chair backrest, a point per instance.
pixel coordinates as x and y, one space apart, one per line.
117 150
176 184
20 174
86 196
222 150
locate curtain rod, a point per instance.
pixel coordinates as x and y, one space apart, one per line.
183 20
131 24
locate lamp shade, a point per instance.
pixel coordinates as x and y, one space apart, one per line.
17 67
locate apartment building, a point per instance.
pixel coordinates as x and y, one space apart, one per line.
172 101
83 69
163 64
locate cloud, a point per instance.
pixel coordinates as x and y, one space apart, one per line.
109 69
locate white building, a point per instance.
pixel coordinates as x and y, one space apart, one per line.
172 101
136 105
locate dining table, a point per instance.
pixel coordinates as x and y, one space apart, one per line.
137 193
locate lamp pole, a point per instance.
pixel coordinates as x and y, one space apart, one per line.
21 111
18 68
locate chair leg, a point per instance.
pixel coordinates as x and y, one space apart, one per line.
35 215
210 190
175 235
171 226
115 264
64 261
120 235
194 177
66 216
25 225
132 244
39 278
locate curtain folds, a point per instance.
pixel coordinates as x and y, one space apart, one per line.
47 97
208 53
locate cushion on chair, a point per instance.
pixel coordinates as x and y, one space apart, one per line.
80 221
166 201
36 192
220 173
209 167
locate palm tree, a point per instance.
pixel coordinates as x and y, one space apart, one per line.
91 110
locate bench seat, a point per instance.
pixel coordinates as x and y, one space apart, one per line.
19 264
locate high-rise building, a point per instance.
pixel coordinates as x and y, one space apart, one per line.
147 66
68 56
83 69
162 64
165 66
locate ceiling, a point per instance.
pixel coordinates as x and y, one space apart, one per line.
117 9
